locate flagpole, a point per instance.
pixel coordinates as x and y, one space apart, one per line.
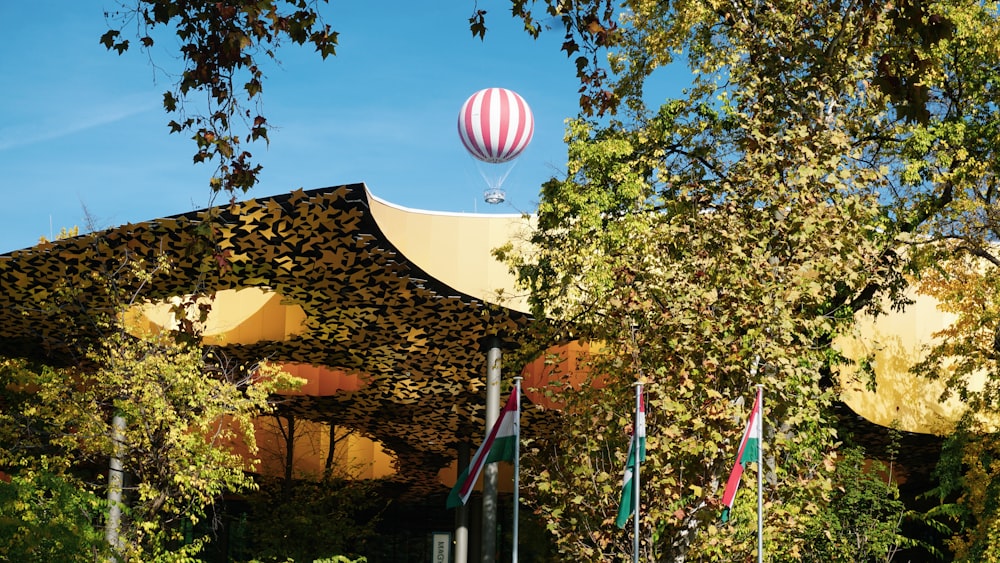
760 476
488 540
635 473
517 464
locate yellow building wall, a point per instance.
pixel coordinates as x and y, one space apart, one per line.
896 341
242 316
250 315
355 457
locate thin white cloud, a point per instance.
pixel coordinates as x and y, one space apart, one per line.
55 126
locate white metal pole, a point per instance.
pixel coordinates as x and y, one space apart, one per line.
489 539
635 474
760 476
462 511
517 465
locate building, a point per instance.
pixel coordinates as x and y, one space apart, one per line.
387 313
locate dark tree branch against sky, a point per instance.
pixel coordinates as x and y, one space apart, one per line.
223 47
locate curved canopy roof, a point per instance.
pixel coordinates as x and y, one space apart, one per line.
387 308
352 301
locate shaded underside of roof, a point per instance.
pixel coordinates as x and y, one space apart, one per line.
416 342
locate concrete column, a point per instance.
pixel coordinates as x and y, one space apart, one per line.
489 539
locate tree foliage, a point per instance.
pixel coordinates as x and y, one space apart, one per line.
185 410
726 237
223 47
965 357
969 491
956 261
46 516
689 299
863 517
283 522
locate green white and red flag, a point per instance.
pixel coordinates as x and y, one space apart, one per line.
748 452
638 445
500 445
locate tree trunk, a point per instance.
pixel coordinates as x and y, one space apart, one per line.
328 465
289 456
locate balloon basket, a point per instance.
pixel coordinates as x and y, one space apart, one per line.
494 196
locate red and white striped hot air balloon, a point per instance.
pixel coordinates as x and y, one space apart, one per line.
495 126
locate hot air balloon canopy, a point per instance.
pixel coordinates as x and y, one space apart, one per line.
495 125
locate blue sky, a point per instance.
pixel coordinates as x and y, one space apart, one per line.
82 130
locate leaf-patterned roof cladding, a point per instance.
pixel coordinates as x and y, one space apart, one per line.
368 310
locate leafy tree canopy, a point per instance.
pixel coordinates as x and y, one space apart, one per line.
188 418
725 238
